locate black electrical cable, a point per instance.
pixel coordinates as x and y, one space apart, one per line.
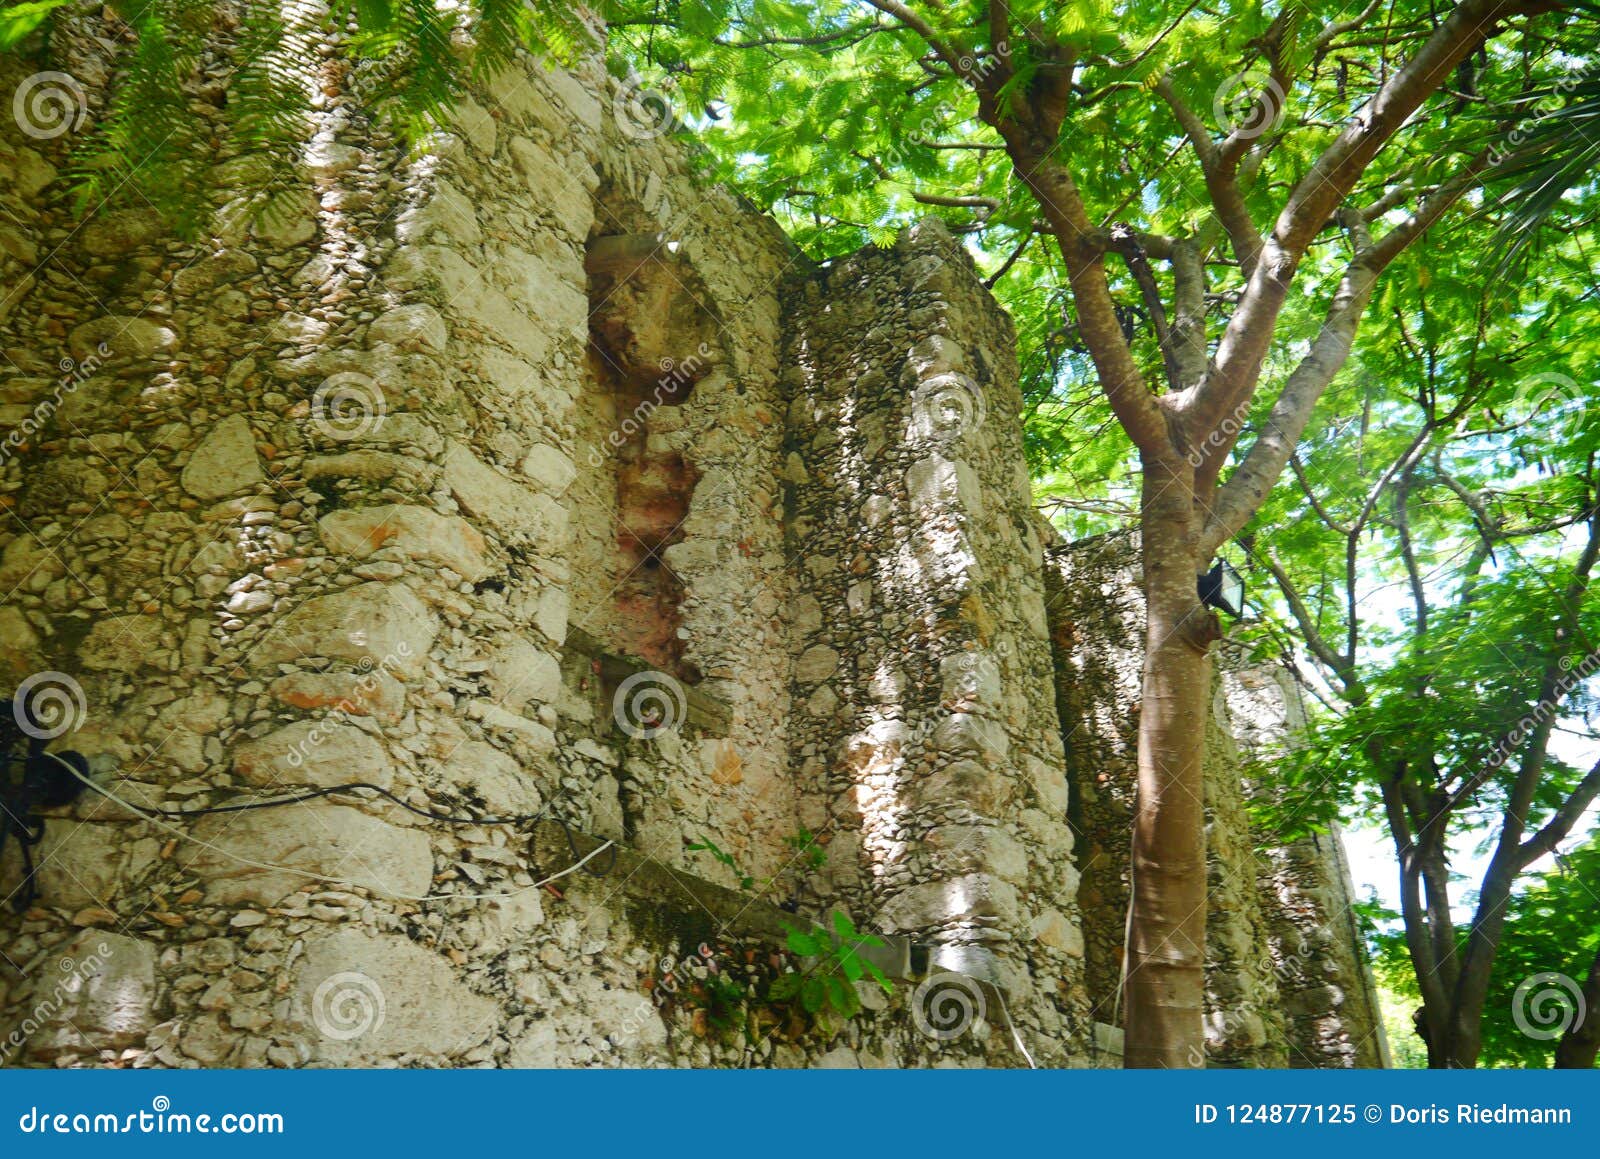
42 785
330 790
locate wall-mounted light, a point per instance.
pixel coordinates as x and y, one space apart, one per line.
1222 587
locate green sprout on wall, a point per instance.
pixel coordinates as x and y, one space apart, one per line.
723 857
828 987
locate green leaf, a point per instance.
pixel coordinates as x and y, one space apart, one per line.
19 20
842 996
806 945
878 977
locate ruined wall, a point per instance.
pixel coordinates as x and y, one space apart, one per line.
1286 977
923 725
473 476
306 518
1326 991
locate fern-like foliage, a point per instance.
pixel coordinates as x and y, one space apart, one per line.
408 60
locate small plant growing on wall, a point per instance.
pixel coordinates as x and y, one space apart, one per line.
826 991
723 857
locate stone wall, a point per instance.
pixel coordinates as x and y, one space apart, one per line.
1286 976
304 515
1326 992
923 724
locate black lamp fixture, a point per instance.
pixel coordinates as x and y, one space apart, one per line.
1222 587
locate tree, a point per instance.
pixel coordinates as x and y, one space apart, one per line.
1541 1002
1462 700
1197 259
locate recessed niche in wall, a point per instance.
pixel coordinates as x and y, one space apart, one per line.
652 337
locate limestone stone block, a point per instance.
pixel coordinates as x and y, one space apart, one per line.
935 903
1054 930
363 997
375 694
549 469
496 779
957 848
816 663
505 505
520 672
472 295
116 233
121 644
552 185
123 336
384 625
99 994
26 558
417 532
321 753
414 327
80 865
445 208
983 786
475 124
329 840
224 462
938 482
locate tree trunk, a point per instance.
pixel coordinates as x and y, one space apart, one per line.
1581 1043
1165 985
